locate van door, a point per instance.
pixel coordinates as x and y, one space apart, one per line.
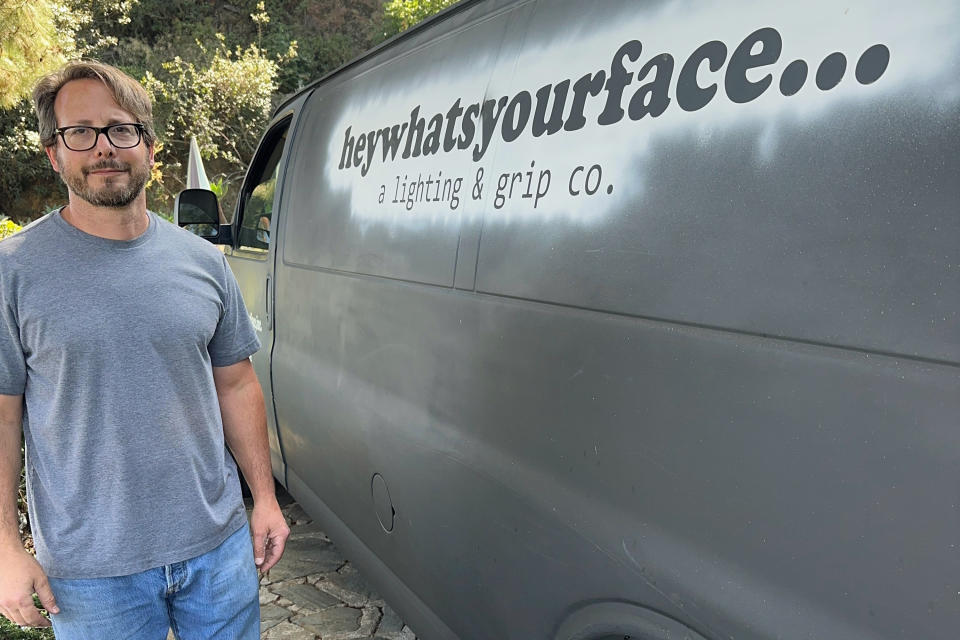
252 260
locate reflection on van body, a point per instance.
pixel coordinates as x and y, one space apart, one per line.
626 319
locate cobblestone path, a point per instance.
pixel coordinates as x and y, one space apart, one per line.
313 593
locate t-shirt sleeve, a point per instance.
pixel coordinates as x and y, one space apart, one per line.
13 367
235 338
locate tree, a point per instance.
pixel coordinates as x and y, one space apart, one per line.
215 69
26 180
403 14
37 36
30 45
224 103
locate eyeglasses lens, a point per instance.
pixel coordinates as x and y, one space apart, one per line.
122 136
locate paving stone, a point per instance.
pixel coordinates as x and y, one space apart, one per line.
308 530
305 596
314 578
266 597
333 621
288 631
369 621
284 499
304 556
391 622
266 625
273 612
296 515
271 616
348 585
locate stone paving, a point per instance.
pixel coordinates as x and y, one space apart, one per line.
314 593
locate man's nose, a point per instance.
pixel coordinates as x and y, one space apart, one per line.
103 146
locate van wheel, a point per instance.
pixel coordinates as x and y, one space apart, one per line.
623 621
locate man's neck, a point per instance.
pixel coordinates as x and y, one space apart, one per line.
124 223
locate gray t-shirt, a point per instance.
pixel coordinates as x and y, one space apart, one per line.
112 343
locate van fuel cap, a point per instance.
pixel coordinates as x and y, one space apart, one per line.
382 503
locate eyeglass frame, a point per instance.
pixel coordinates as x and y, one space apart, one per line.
101 130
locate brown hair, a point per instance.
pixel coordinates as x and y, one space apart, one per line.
128 93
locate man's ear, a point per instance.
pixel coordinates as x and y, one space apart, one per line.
52 155
152 149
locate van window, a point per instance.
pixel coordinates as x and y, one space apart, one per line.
257 201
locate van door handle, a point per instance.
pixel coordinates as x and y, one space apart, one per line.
267 304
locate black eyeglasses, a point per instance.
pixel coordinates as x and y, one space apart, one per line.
84 138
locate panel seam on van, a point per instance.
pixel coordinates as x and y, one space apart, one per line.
621 314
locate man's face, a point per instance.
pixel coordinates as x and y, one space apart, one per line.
104 176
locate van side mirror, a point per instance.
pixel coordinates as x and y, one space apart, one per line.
198 211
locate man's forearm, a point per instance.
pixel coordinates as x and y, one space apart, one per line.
245 430
10 433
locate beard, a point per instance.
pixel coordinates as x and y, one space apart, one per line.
112 194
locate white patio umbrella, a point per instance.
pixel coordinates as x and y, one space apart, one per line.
196 176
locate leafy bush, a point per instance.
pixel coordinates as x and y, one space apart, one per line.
10 631
403 14
8 228
222 97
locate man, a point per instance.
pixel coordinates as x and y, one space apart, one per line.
124 360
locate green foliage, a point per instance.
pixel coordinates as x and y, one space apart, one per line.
24 517
27 184
219 188
225 102
30 44
403 14
8 228
330 33
216 69
10 631
37 36
91 24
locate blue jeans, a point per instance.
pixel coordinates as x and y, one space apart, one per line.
214 596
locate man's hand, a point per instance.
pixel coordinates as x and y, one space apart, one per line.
245 430
20 578
270 533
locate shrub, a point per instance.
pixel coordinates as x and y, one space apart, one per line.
8 228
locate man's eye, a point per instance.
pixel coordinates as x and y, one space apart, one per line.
122 130
79 131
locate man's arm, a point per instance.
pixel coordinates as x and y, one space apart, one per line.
22 574
245 430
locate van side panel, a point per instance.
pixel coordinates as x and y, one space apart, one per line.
688 344
827 216
737 483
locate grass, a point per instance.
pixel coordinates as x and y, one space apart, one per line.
10 631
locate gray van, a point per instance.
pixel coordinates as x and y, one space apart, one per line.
624 319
